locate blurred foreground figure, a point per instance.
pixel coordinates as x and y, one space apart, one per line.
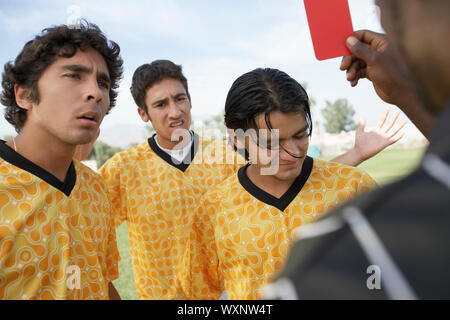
391 243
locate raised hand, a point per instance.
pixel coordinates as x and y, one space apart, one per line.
368 144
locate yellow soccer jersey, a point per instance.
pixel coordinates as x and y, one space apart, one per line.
241 235
57 240
157 196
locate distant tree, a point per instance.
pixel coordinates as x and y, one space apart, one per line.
219 124
317 127
150 131
132 144
206 123
7 137
339 116
215 124
101 152
219 119
312 100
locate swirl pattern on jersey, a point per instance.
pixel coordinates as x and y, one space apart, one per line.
157 200
239 242
44 234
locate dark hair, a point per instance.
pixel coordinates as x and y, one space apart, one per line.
149 74
262 91
42 51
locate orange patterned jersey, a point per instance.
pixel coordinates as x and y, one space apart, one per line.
241 235
57 240
157 196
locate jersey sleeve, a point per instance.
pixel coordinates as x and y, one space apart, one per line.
111 172
199 272
366 183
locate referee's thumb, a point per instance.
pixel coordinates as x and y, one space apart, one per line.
357 48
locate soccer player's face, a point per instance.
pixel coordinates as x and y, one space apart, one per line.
292 145
73 98
168 108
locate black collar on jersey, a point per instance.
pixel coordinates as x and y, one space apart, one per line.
167 158
286 198
14 158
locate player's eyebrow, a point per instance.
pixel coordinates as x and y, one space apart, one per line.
182 94
84 69
301 130
159 101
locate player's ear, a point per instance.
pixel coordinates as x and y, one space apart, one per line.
22 97
232 136
237 138
143 114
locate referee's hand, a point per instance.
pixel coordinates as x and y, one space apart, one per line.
372 59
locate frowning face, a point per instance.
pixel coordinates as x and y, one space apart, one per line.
169 110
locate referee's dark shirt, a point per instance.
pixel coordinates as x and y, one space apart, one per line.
391 243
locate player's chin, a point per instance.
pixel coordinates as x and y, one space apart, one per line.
82 136
289 173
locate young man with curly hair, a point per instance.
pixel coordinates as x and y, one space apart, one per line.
57 239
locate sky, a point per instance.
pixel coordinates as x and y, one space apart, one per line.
215 42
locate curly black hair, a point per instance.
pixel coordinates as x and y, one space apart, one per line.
42 51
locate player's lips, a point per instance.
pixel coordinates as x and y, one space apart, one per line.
90 118
175 125
291 163
288 164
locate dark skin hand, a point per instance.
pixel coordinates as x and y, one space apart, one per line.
113 294
372 59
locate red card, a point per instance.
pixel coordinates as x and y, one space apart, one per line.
330 25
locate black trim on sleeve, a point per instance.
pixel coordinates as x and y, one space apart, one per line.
14 158
291 193
167 158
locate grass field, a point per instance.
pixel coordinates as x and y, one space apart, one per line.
386 167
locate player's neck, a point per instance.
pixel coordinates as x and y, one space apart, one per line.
268 183
44 150
173 145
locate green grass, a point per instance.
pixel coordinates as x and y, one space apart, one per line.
125 284
386 167
392 164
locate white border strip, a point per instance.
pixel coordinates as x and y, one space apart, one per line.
437 168
396 285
